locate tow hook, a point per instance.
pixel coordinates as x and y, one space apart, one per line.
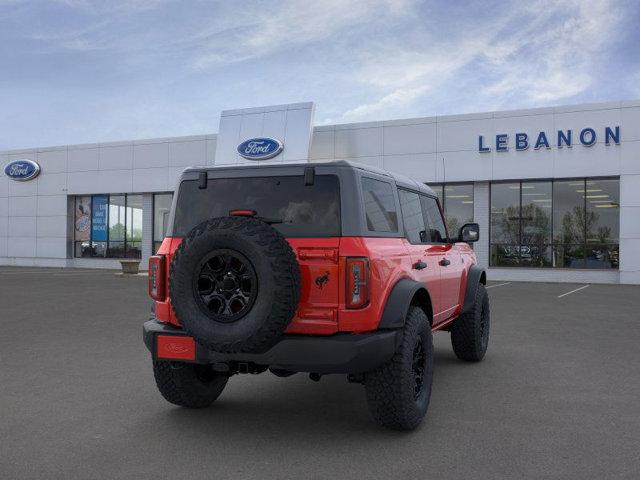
315 377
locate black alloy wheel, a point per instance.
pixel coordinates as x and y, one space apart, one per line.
225 285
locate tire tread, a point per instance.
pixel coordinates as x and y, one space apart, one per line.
182 387
465 331
389 389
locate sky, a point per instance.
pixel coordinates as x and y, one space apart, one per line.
80 71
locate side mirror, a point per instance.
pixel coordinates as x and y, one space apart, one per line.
469 233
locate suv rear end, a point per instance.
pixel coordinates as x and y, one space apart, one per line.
308 268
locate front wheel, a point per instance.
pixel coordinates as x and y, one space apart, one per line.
188 385
470 332
399 391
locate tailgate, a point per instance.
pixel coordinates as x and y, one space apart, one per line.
319 262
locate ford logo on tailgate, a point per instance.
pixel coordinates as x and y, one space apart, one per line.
260 148
22 170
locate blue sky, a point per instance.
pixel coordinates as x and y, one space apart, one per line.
76 71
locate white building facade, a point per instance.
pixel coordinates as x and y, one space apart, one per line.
556 191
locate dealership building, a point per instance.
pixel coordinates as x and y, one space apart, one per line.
556 190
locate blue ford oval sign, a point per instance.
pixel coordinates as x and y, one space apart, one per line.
260 148
22 170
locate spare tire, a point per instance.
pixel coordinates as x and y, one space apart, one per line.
234 284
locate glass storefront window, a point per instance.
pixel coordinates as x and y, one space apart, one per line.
458 206
505 224
564 224
603 211
82 226
457 203
535 243
603 223
108 226
117 219
134 226
568 223
161 209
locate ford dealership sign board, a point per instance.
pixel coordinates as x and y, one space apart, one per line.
22 170
260 148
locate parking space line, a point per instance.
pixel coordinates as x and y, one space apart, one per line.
70 274
56 273
498 285
573 291
24 273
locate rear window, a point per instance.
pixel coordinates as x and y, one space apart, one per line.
304 210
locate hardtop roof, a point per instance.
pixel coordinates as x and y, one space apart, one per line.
400 180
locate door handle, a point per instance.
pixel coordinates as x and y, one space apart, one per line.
419 265
444 262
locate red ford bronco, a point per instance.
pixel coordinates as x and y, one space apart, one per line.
318 268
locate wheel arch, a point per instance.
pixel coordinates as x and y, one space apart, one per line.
405 293
477 275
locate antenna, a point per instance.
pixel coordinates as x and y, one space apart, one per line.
444 171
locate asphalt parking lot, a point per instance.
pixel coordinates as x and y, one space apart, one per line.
558 395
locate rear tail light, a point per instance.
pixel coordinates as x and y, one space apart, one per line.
156 277
357 282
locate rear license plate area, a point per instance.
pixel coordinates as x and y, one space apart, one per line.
174 347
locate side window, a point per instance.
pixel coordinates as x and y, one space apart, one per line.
379 206
436 231
414 222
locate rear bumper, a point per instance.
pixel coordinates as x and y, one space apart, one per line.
339 353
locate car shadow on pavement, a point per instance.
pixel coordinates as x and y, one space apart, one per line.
295 406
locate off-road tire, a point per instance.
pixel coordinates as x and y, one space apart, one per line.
470 332
187 384
277 276
390 389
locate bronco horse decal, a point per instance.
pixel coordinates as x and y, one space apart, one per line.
321 280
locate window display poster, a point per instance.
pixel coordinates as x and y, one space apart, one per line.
99 220
83 219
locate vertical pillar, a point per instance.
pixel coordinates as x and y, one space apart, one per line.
629 229
147 229
481 215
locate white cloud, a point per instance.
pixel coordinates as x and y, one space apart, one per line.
397 98
543 52
406 76
159 68
554 63
254 33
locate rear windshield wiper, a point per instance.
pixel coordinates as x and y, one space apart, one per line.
270 221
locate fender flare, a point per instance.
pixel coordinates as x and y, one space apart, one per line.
398 302
476 276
